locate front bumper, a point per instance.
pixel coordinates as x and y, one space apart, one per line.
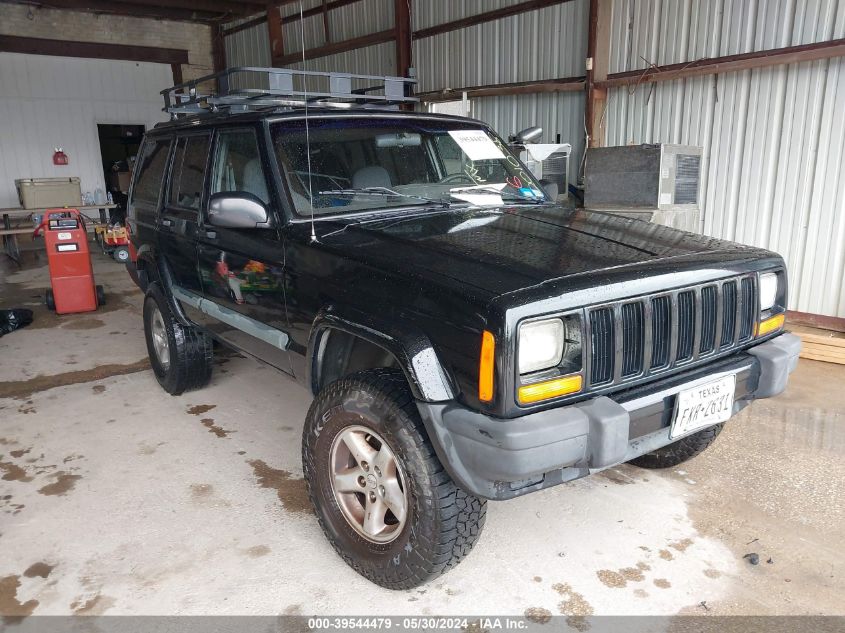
499 458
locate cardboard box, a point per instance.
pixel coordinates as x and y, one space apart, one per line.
45 193
119 181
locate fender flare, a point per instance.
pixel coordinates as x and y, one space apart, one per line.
412 349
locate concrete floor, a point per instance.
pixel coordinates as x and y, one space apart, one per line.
117 498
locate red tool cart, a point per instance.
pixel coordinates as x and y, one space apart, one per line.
71 274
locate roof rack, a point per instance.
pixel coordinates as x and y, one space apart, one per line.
249 88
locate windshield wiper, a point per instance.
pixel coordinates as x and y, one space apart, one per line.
506 195
382 192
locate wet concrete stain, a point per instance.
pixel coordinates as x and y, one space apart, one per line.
27 408
13 472
538 615
665 554
291 491
98 389
213 428
72 457
612 579
662 583
573 603
64 483
13 610
199 409
83 324
617 478
633 574
93 606
9 507
293 609
42 570
257 551
643 566
22 389
538 579
641 593
682 545
712 573
201 491
19 452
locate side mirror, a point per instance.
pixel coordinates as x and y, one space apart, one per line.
237 210
527 135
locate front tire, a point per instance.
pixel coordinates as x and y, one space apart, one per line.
181 357
678 452
381 496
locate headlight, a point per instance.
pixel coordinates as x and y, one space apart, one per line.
540 345
768 291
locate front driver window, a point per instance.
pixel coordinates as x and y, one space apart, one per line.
237 165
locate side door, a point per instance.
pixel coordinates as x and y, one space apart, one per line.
242 268
179 219
145 197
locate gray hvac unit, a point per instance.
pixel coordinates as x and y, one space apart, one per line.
549 161
662 177
655 183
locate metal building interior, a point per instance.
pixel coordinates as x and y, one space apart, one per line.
118 499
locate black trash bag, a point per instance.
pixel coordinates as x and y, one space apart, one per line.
11 320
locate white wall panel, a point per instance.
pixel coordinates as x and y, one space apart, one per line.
773 138
58 101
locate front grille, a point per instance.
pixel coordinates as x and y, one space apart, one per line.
601 345
654 333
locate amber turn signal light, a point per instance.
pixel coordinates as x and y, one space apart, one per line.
771 324
550 389
486 367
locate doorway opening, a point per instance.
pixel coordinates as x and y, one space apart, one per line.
119 146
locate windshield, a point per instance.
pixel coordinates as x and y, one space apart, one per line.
361 164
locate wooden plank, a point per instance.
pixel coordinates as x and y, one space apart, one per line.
136 10
402 12
488 16
598 63
729 63
827 341
275 33
562 84
92 50
337 47
839 360
821 321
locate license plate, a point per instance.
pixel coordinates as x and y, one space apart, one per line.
704 405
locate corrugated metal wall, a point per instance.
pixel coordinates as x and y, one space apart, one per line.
542 44
773 138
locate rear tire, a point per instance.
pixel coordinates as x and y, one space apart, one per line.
101 295
181 357
678 452
49 299
440 523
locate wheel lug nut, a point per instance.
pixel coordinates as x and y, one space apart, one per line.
365 466
361 481
377 471
381 490
372 496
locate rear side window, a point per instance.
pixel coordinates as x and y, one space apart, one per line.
150 171
237 164
188 173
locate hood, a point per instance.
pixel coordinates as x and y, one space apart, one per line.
504 250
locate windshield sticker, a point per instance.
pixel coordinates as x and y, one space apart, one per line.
476 144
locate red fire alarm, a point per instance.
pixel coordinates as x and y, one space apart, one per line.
59 157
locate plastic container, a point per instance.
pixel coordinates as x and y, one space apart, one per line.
43 193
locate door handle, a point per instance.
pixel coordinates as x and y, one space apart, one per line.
212 235
166 222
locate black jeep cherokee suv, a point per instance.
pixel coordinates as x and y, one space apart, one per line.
465 339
